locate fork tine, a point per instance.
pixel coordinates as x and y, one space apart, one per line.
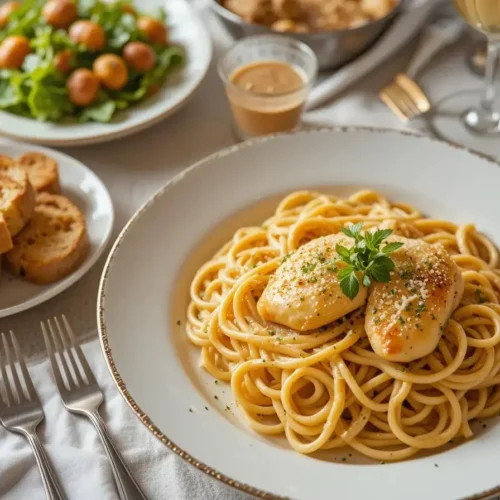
21 396
412 88
71 355
53 361
407 99
8 390
67 372
388 99
26 375
79 352
404 100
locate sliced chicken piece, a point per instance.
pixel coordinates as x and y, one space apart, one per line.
405 317
304 293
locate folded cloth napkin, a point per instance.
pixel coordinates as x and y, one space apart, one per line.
402 30
79 459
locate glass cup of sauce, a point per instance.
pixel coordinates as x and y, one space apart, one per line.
267 79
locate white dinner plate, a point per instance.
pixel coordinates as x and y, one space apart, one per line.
186 29
88 192
145 290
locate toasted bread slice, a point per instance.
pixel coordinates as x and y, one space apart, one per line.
42 172
53 244
5 238
17 198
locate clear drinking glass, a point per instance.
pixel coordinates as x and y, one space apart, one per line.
470 117
258 113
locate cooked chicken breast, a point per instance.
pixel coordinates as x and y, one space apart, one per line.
305 293
405 317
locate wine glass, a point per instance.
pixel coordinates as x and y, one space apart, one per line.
470 117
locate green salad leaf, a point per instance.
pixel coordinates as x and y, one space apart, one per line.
100 112
38 90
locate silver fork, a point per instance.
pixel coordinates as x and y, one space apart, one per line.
23 412
81 395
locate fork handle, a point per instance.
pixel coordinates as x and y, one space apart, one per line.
52 488
127 487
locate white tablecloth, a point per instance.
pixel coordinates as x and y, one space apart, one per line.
133 169
79 459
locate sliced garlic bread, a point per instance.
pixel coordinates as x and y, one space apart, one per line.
5 238
53 244
17 198
42 172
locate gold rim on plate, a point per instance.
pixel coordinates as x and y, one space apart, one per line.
103 336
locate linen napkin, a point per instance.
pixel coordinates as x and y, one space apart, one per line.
401 31
79 458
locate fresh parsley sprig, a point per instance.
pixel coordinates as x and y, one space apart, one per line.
367 257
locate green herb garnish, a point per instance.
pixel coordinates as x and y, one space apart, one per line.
421 308
307 268
366 257
479 296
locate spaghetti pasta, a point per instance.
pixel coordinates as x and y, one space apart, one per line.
327 388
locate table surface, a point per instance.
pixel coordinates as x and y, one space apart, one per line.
135 167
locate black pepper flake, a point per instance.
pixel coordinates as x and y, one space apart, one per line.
190 410
206 408
436 465
216 397
178 322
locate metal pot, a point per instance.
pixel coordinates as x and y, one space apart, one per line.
332 48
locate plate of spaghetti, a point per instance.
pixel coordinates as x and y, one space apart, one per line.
327 310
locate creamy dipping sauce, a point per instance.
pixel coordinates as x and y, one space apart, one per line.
266 97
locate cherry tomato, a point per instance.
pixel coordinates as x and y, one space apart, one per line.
139 56
6 10
89 34
111 71
153 30
129 9
59 13
83 87
62 60
13 50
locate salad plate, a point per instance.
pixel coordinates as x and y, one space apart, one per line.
192 53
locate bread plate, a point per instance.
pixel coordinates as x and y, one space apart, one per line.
90 195
156 368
